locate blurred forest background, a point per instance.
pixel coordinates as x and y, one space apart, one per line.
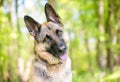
93 27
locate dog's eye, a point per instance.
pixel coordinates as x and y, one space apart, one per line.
47 39
59 33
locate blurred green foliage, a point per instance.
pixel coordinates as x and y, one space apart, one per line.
82 22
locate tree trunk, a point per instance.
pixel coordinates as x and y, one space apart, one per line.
117 19
108 29
17 19
88 53
100 43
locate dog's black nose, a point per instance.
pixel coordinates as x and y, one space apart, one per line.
62 48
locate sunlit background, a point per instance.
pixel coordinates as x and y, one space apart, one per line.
93 28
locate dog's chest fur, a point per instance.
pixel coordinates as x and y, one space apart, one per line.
58 73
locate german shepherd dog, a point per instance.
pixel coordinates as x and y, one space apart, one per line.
51 62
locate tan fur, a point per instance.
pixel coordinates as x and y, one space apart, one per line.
50 63
51 69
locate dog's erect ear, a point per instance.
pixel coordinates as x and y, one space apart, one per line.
32 26
51 15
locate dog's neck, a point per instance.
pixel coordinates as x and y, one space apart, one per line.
41 60
40 64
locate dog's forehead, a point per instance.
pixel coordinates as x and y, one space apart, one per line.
51 26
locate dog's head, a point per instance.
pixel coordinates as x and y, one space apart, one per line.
48 36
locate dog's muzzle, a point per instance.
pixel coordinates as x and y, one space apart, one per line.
59 51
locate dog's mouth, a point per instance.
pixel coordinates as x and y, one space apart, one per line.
63 56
